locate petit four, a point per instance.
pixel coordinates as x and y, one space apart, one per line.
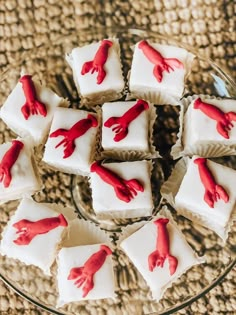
207 195
158 72
121 190
209 127
29 109
160 253
72 141
85 272
127 128
33 234
97 71
17 175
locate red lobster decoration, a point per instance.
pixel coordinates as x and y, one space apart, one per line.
161 64
32 105
122 123
8 161
224 120
97 64
162 252
27 230
83 276
213 191
125 190
76 131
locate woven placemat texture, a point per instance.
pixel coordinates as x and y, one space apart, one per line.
208 25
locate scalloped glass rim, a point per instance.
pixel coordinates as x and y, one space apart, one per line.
141 33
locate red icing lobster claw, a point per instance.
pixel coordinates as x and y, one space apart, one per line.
213 191
121 124
32 106
27 230
162 252
83 276
125 190
223 120
76 131
97 64
161 64
8 161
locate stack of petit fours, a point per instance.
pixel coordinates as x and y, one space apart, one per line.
82 141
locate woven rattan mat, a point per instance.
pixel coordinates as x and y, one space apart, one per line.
207 24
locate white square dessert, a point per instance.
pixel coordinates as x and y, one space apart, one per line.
72 141
158 72
207 195
33 234
97 71
160 253
17 174
218 117
85 273
121 190
29 109
126 126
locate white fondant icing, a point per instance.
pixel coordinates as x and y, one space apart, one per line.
80 160
138 130
190 197
36 126
87 83
73 257
142 243
142 81
107 204
24 181
199 129
41 251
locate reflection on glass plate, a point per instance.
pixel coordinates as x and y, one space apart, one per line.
47 64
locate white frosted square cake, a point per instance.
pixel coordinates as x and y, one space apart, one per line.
207 195
33 234
72 141
17 174
97 71
121 190
209 127
160 253
158 72
29 109
126 127
85 273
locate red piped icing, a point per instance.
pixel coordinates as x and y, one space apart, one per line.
83 276
161 64
97 64
121 124
213 191
27 230
162 252
125 190
76 131
8 160
223 120
32 106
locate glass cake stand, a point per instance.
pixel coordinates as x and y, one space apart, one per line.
47 63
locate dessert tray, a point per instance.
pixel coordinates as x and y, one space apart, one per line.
48 65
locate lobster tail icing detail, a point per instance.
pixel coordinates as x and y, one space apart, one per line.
162 252
125 190
32 106
84 275
97 64
161 64
8 160
213 191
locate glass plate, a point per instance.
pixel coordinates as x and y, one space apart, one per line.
47 63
